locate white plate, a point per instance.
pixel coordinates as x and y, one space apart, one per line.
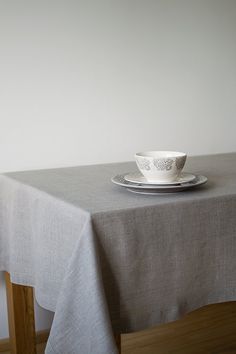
137 177
154 189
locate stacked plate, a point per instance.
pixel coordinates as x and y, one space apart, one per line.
135 182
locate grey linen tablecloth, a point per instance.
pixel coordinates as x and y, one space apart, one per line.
104 259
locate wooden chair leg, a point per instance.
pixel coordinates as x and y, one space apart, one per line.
20 303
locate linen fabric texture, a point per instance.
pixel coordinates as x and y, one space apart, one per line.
106 260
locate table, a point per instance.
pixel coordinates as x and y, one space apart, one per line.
108 261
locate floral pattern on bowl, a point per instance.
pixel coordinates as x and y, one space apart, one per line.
180 161
144 164
163 164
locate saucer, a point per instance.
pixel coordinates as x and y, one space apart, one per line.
155 189
137 177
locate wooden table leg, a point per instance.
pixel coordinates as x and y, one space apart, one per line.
118 342
20 303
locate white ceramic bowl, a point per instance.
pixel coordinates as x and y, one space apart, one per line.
160 166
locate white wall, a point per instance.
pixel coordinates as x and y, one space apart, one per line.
90 81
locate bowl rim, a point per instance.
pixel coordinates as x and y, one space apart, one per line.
160 154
